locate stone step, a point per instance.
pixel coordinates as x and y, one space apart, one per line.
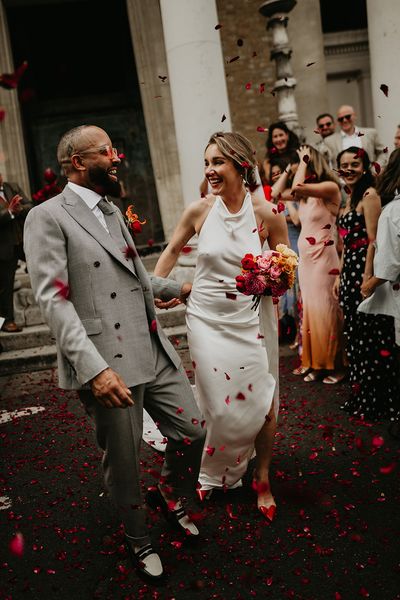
27 360
40 357
29 337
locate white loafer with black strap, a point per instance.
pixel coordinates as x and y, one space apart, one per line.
176 516
146 561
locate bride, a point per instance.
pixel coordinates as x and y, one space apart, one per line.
235 388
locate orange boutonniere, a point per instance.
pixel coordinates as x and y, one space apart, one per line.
134 224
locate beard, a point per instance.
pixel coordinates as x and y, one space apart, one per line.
102 183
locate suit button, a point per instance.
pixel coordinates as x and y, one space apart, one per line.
113 295
96 263
117 325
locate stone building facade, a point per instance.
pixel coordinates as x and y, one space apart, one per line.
191 83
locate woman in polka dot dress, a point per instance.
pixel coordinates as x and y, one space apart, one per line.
370 339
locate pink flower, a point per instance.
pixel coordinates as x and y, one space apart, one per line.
275 272
264 262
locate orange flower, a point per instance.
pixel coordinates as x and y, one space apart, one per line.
134 222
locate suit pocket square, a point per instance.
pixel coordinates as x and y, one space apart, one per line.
92 326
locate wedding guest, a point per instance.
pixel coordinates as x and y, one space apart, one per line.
351 135
372 375
316 188
326 127
237 392
381 291
281 142
14 206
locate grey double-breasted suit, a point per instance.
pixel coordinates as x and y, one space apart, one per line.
109 320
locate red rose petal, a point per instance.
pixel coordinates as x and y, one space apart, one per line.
388 469
17 545
210 450
385 353
153 326
334 272
311 240
240 396
227 377
230 296
62 287
186 249
385 89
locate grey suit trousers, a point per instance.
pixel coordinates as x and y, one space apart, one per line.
119 434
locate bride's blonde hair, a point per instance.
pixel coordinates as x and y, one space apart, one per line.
240 151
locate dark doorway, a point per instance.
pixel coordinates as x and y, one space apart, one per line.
82 70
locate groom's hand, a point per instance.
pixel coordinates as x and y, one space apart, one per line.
169 304
110 390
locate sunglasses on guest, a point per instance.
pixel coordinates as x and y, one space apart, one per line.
345 117
322 125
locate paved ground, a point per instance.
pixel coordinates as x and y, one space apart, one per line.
335 536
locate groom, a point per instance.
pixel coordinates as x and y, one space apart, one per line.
97 298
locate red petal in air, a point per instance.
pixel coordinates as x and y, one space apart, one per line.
218 26
2 114
377 167
311 240
231 60
129 252
210 451
186 250
227 377
262 129
223 118
280 206
385 89
240 396
62 287
334 272
384 353
248 85
261 89
153 326
329 243
327 226
388 469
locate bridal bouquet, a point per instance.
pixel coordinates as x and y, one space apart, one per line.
271 273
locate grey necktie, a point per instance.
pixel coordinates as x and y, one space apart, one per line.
113 224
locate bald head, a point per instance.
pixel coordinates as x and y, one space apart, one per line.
74 141
346 117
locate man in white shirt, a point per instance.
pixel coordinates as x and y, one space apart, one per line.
350 135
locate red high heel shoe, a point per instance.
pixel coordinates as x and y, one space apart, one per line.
260 487
203 494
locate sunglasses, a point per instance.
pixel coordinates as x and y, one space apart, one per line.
325 125
345 117
105 150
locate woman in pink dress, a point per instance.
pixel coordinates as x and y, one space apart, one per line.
316 187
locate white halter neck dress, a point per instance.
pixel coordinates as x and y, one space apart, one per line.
234 385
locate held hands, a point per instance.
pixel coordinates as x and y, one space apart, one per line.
110 390
14 205
185 291
367 287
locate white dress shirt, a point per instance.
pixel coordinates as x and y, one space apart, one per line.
351 140
91 199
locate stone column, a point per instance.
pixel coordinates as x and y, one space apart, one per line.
13 163
276 12
198 89
197 79
151 64
384 47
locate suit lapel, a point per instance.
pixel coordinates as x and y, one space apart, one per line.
81 213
